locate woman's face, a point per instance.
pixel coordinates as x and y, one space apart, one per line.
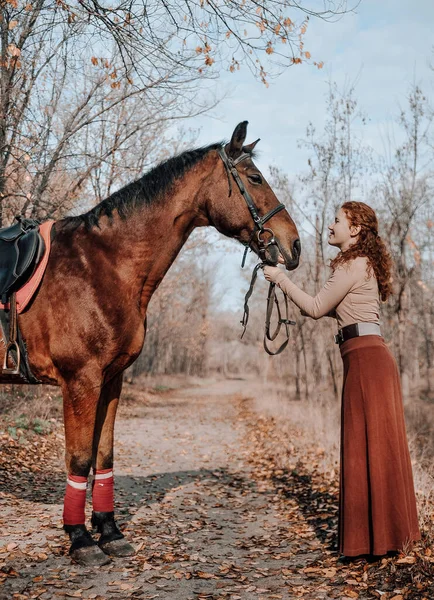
341 233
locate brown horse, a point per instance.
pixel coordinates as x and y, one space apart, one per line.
87 323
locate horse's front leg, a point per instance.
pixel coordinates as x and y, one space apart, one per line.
80 402
111 541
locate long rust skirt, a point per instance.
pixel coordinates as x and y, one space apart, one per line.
377 504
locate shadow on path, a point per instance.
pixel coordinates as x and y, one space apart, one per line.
319 508
130 491
50 489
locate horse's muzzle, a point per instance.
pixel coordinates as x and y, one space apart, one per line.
290 260
296 252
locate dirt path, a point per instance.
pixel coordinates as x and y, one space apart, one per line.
203 523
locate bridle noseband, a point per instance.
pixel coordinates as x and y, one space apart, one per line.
259 222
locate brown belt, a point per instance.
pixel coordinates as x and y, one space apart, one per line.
356 330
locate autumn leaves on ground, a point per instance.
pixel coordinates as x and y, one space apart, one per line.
219 498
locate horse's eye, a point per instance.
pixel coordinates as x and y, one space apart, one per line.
256 179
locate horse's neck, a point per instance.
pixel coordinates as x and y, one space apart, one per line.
160 252
151 239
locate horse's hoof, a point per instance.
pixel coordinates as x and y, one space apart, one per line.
89 556
118 548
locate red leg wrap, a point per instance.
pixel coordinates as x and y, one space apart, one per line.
103 491
75 500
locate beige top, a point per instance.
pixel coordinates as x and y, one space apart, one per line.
351 295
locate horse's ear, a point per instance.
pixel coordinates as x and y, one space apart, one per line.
237 140
250 147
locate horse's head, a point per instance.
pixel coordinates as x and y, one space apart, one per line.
242 205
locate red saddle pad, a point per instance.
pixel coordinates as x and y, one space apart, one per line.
25 294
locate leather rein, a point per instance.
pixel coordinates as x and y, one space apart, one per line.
259 229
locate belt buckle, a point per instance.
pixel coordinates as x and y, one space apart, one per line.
339 337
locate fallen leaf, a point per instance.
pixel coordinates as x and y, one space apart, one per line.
205 575
407 560
11 546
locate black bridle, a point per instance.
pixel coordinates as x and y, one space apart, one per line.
259 222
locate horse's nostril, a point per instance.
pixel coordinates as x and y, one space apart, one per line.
296 248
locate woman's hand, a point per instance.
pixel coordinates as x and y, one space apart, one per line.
271 274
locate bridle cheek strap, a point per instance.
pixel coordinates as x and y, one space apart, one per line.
230 165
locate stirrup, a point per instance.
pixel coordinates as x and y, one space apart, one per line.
14 370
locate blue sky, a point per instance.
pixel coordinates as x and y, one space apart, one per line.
385 46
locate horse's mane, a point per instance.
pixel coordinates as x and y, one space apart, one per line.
147 190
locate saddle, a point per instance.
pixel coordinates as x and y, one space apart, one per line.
21 249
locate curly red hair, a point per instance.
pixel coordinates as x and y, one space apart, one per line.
368 244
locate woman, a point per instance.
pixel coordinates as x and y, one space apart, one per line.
377 506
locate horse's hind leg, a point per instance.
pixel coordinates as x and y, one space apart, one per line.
80 399
111 540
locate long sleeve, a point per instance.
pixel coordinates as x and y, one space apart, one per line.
333 292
